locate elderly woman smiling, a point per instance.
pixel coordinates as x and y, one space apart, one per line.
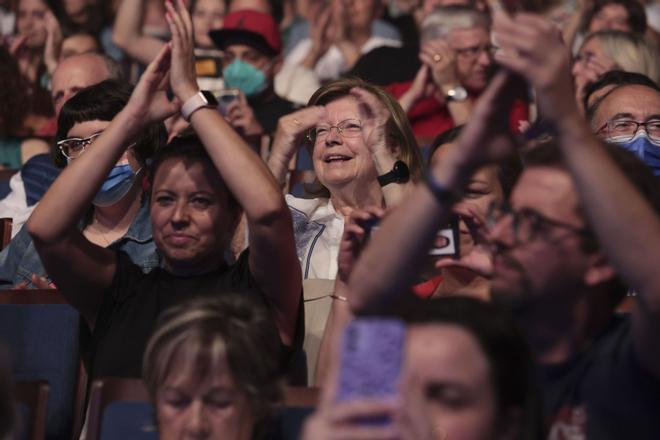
364 154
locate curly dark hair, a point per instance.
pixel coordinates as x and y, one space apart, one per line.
12 92
636 14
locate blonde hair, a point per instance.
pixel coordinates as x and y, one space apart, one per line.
631 53
398 126
196 336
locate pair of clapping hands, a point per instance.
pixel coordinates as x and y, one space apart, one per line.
173 68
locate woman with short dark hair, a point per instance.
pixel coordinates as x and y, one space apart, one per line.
192 217
118 216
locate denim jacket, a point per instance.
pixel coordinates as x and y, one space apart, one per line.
19 260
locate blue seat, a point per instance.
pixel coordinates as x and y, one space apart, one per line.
31 403
133 420
119 409
41 333
290 422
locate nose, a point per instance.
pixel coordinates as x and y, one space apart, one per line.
180 215
577 68
502 234
197 424
484 58
333 137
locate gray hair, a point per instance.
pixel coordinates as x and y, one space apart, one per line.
440 22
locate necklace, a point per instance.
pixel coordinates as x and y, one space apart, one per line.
94 231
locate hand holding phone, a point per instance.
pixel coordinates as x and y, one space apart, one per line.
371 359
226 97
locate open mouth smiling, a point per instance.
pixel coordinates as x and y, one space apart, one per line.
334 158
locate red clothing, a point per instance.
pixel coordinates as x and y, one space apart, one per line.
426 289
430 118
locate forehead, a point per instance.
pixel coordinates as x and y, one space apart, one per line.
78 72
242 50
639 102
549 191
468 37
28 5
187 372
592 45
210 5
445 352
613 10
255 5
185 176
87 128
342 108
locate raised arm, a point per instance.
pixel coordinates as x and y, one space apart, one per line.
273 260
352 242
382 275
79 268
127 33
627 227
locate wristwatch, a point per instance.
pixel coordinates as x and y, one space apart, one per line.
202 99
399 174
456 94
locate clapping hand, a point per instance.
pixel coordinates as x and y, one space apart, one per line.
531 46
53 42
149 101
441 60
357 228
183 78
374 120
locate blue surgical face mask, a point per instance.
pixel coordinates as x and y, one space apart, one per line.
245 77
116 185
647 150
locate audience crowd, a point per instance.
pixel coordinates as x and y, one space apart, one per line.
227 192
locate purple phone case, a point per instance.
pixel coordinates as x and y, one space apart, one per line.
371 359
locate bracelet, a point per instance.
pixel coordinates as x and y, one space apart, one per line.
442 194
339 297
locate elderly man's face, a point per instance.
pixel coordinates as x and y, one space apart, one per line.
634 102
473 59
76 73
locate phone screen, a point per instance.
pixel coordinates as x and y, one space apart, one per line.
226 97
371 359
447 240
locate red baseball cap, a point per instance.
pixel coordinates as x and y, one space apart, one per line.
251 28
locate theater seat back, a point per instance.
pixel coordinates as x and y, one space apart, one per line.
42 340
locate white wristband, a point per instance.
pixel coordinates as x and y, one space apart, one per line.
192 104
